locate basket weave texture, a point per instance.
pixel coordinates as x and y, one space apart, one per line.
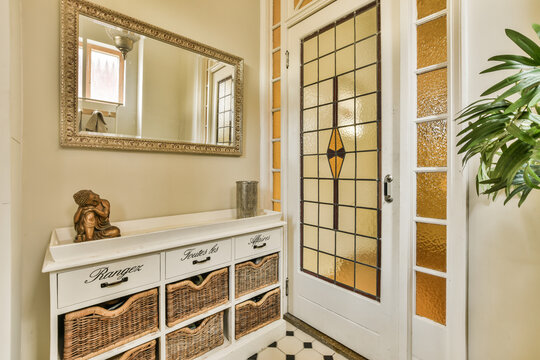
143 352
186 300
188 343
95 330
251 277
251 315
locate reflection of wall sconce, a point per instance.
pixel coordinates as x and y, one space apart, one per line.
123 39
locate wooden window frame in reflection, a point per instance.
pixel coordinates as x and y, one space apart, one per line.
230 111
90 48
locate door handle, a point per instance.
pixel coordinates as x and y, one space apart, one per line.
195 262
106 284
259 246
388 188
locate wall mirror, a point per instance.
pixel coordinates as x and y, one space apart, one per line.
129 85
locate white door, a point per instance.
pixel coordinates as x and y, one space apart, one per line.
342 96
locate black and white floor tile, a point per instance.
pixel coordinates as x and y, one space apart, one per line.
297 345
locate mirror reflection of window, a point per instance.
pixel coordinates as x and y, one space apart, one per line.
225 112
104 73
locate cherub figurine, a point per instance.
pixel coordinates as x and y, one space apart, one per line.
92 217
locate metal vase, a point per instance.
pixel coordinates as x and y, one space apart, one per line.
247 198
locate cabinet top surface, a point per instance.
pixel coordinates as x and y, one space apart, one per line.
152 235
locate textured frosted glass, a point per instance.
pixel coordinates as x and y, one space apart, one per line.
366 108
366 80
431 143
345 60
345 272
310 143
347 170
432 93
346 219
326 42
327 241
348 135
309 166
431 246
366 279
327 67
345 245
431 297
276 65
310 119
276 124
346 192
345 33
346 112
310 260
366 24
326 266
276 94
367 165
310 96
311 189
276 155
276 11
276 206
428 7
324 168
325 116
310 49
366 52
276 186
326 92
366 251
310 236
367 136
345 86
366 194
431 195
326 218
276 37
431 43
311 213
326 191
366 222
324 140
311 73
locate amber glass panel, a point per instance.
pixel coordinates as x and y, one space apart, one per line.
276 11
296 2
428 7
327 241
276 125
431 297
345 245
431 143
431 43
345 272
366 250
431 246
276 94
276 65
432 93
276 150
366 279
366 222
345 33
276 37
311 73
277 186
326 266
310 260
366 24
310 50
311 237
431 195
276 206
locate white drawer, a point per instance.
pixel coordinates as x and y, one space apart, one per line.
255 243
101 280
197 257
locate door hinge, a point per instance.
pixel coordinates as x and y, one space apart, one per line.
287 59
287 287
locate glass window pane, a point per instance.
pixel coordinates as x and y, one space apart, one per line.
346 86
366 80
276 158
366 52
309 260
309 166
345 60
311 213
276 37
311 237
327 241
327 266
326 218
276 124
311 189
310 49
366 108
325 116
276 94
346 112
310 143
311 72
105 76
347 169
367 250
366 24
276 11
346 192
326 92
345 272
345 245
345 33
431 43
276 206
346 219
431 195
310 96
276 65
367 222
348 136
367 194
431 297
432 93
428 7
326 191
324 140
367 136
310 119
276 186
366 279
324 168
367 165
326 42
431 246
431 143
327 67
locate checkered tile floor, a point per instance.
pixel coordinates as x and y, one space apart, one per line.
297 345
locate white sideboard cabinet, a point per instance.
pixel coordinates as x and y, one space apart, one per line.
155 253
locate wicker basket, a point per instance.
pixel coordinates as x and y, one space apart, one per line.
186 300
251 277
95 330
188 343
251 315
143 352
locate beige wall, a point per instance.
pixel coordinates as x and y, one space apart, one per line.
137 184
504 246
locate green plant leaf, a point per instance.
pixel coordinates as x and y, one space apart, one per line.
536 28
524 43
515 59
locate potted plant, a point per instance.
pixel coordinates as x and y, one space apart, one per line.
505 130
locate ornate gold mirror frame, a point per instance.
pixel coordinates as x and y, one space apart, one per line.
70 137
